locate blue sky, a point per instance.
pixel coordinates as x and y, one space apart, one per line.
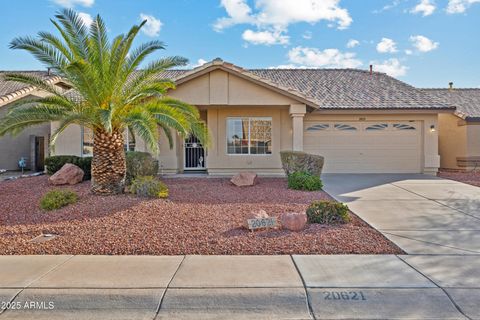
426 43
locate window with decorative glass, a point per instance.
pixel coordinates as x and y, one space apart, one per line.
251 135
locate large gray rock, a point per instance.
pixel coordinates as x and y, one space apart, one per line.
68 174
244 179
295 161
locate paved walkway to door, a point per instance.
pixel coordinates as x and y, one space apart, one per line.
422 214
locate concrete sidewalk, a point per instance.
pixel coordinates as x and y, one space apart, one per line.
240 287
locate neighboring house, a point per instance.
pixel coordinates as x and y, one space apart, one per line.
459 133
360 121
32 143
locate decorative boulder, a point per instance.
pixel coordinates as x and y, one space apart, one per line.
293 221
68 174
259 214
297 161
244 179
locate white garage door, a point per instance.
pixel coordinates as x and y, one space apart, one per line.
366 147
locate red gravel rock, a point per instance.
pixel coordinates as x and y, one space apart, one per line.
472 177
202 216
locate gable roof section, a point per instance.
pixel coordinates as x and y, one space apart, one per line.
10 90
466 101
181 76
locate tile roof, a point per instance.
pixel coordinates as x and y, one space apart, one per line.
343 88
467 101
11 89
324 88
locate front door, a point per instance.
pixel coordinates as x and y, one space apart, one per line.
194 154
39 153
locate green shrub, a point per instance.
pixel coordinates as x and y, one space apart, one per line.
56 199
148 186
297 161
140 164
85 164
55 163
328 212
304 181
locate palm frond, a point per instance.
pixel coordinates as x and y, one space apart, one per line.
44 52
57 43
75 31
19 119
139 54
168 133
145 126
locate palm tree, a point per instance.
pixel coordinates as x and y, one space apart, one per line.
109 95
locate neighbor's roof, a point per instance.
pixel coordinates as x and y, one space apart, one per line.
9 90
467 101
334 88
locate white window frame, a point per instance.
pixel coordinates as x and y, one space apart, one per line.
82 141
249 141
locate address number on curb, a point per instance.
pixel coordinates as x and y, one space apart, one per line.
254 224
344 295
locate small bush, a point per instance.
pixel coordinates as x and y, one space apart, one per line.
140 164
297 161
55 163
56 199
304 181
86 165
148 186
327 212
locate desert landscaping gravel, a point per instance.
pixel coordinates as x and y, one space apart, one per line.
470 177
202 216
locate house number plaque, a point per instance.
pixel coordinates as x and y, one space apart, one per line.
254 224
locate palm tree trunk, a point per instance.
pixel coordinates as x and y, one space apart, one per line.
108 163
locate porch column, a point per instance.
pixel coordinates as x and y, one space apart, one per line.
297 112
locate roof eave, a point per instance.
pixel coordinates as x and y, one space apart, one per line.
15 95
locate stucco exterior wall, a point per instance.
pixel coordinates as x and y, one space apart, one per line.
221 88
69 142
220 163
221 95
12 148
452 143
473 139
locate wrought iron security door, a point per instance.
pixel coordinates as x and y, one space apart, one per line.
194 154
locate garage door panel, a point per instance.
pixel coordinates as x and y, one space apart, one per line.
395 147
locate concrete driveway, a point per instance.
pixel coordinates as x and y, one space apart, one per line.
421 214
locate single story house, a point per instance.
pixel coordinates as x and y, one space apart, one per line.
360 121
